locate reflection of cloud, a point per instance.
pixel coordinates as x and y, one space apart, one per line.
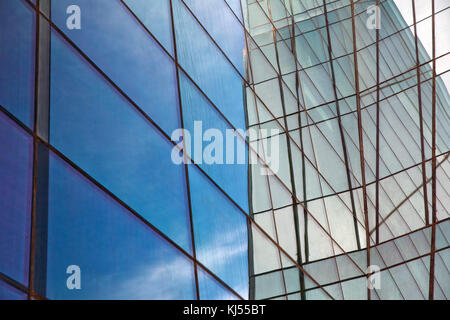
226 255
165 280
217 255
172 277
224 246
227 295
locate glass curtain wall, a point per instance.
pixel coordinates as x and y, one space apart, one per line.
364 171
92 92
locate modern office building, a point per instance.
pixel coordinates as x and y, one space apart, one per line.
355 184
340 192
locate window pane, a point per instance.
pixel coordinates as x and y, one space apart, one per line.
16 156
155 15
223 26
17 53
115 41
200 119
235 5
210 289
102 133
118 255
203 62
220 233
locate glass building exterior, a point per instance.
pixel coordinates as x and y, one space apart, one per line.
355 184
93 92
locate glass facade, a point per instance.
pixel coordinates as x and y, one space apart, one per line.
343 173
357 186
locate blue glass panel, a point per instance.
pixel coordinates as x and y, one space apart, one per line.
232 176
155 15
17 54
203 62
235 5
220 233
119 256
115 41
211 289
8 292
16 157
223 26
103 134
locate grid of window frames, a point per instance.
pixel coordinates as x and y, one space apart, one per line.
87 117
364 178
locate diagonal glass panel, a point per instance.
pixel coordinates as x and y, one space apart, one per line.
118 256
103 134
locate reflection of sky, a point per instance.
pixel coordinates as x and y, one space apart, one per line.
114 40
220 233
210 289
155 15
424 30
16 157
231 178
223 27
208 67
17 59
176 274
102 133
118 255
120 258
219 227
